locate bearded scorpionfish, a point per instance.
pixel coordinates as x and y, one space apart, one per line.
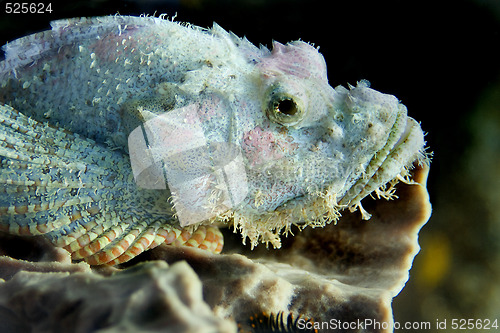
118 134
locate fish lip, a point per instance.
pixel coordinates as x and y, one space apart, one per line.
371 173
406 133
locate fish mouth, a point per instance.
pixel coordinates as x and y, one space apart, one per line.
389 165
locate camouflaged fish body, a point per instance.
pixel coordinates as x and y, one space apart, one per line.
120 133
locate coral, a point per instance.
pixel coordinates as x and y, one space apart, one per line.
149 297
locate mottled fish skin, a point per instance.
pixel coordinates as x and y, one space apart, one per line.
262 139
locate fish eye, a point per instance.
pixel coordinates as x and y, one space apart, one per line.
286 106
284 109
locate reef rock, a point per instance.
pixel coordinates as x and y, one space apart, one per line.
150 297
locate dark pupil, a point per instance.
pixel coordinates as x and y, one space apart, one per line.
286 106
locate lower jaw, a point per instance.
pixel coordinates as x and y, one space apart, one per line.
388 167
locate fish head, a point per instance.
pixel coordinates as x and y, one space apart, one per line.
319 149
299 151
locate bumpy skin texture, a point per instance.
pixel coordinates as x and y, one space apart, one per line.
112 108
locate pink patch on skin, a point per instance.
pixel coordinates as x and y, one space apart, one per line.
203 111
298 59
262 146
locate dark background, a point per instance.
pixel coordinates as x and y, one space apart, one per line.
440 58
